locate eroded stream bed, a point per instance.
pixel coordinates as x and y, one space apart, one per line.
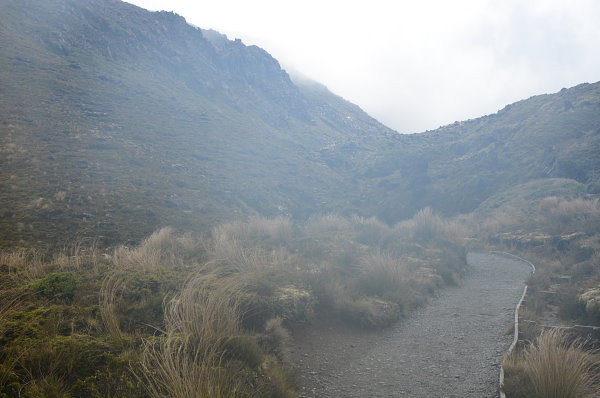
450 348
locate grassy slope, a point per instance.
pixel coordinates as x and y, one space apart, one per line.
142 122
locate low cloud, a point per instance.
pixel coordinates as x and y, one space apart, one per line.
416 66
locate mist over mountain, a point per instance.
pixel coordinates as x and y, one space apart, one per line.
116 121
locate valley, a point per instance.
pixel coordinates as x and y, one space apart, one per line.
176 209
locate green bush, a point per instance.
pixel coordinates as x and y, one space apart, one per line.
61 285
114 379
244 349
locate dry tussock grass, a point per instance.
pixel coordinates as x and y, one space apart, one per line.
156 251
188 360
383 271
276 231
162 249
555 367
372 222
426 226
560 215
239 256
326 224
24 266
108 301
561 368
570 208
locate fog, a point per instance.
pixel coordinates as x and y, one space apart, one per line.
417 65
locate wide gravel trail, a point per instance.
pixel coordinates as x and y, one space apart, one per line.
450 348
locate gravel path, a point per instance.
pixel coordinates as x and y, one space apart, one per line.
450 348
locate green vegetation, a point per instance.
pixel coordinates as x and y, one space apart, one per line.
207 316
57 285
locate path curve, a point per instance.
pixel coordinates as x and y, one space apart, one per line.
450 348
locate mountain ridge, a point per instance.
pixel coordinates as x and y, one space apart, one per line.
117 121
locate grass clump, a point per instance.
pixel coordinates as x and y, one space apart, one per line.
554 366
188 361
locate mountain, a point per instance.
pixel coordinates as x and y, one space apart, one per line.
115 121
455 168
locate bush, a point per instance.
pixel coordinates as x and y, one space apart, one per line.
369 312
61 285
275 339
114 379
382 273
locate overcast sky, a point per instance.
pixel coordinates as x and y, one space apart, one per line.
416 65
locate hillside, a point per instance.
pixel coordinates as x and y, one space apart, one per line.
116 121
457 167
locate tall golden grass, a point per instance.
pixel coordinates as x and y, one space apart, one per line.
108 302
383 272
561 369
326 224
427 226
276 231
162 249
188 361
235 246
555 367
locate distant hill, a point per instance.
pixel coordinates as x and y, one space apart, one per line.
115 121
456 167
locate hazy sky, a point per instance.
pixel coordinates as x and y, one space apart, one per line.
417 65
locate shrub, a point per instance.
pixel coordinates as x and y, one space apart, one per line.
60 285
114 379
588 304
275 339
370 231
382 273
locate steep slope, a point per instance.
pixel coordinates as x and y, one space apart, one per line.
116 120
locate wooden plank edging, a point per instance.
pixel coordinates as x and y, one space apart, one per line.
516 328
